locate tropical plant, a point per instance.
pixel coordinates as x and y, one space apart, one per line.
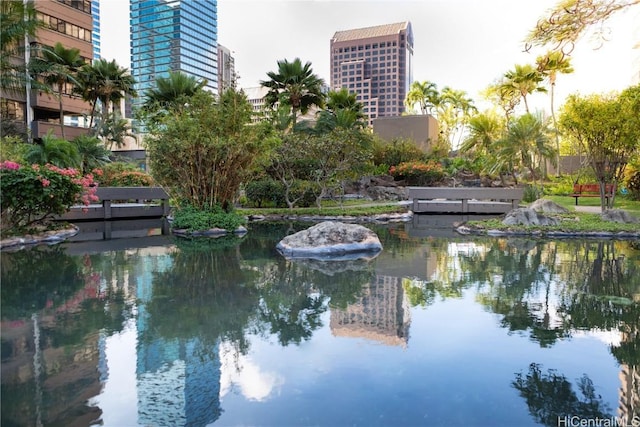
124 174
202 154
32 194
170 94
342 110
55 151
425 94
550 65
113 129
104 83
453 113
525 79
608 128
527 139
92 153
294 85
418 173
63 67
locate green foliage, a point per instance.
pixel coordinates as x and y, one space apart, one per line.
91 152
269 192
531 193
396 152
32 194
123 174
294 85
418 173
193 218
633 184
202 154
55 151
12 148
265 192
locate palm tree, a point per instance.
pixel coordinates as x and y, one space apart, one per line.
485 132
91 153
58 152
106 83
170 91
424 93
294 85
343 110
527 138
63 66
549 65
453 113
525 79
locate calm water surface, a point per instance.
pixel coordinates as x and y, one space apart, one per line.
435 331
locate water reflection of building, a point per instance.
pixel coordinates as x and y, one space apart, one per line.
178 380
47 377
381 313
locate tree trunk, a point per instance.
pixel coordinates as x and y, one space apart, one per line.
61 110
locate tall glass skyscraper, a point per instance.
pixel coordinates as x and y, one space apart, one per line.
95 34
173 35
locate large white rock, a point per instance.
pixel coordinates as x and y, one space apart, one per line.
547 206
331 240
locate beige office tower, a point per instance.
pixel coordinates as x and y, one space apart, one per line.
376 64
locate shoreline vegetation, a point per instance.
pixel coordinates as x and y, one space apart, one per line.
576 223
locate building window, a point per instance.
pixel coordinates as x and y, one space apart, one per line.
82 5
11 110
64 27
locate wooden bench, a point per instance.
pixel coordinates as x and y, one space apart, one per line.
593 190
464 199
122 202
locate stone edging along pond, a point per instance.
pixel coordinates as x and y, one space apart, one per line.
57 236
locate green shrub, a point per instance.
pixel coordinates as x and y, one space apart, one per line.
633 184
418 173
193 219
123 174
13 149
32 194
270 193
531 193
396 152
265 192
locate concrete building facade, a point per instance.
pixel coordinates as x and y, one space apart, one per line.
226 69
69 22
375 63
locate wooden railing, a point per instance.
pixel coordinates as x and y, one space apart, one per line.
122 202
464 199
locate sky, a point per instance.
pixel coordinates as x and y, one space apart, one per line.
463 44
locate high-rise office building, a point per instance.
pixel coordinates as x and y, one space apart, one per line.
226 69
95 35
173 35
376 64
70 23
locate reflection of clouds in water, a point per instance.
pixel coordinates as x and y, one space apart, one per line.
239 371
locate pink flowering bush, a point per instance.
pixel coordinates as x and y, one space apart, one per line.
418 172
31 195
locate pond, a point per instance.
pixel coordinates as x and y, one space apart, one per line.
437 330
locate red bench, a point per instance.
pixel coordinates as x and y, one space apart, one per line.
593 190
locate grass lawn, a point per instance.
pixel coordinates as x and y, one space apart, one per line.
621 202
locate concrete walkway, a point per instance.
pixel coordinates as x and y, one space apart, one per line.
589 209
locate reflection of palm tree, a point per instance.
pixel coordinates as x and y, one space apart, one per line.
550 397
